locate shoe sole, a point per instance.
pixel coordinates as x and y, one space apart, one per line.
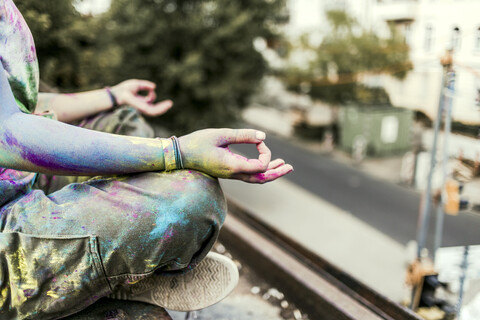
212 280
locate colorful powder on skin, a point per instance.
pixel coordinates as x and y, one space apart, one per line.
18 49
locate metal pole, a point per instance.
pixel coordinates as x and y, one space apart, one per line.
450 90
423 219
464 267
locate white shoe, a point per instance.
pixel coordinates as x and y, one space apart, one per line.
212 280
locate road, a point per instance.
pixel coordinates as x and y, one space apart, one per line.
390 208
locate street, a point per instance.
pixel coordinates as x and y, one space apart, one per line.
392 209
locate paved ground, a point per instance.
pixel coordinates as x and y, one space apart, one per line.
252 299
333 233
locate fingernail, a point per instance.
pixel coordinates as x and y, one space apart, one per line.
260 135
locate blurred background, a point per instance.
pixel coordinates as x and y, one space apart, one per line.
348 92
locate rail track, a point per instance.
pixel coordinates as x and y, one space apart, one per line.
316 286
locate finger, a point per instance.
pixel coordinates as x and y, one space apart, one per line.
151 96
146 85
159 108
235 136
240 164
275 164
265 155
274 174
138 103
264 177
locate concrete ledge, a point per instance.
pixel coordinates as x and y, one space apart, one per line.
319 298
312 283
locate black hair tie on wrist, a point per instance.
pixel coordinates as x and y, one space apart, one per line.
112 98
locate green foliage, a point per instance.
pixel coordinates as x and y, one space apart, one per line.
345 53
199 52
58 30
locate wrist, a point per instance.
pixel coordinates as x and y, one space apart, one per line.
186 153
172 155
113 96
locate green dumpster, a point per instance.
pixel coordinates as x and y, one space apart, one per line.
375 130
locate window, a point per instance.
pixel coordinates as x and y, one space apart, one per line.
477 40
408 33
428 38
456 39
477 99
477 92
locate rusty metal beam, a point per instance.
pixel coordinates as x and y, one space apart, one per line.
315 285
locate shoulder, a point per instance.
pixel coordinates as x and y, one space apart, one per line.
8 17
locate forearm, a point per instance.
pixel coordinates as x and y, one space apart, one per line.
36 144
72 107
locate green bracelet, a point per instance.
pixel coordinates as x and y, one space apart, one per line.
169 154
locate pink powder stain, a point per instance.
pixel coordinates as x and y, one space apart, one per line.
168 235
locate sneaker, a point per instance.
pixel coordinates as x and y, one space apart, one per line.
212 280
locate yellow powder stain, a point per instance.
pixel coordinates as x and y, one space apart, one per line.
145 141
53 294
134 281
3 297
21 274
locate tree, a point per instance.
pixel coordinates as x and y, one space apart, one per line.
60 33
345 53
200 53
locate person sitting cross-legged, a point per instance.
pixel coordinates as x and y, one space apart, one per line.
140 228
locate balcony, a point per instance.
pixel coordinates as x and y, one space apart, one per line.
397 10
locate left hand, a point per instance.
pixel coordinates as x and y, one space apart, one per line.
208 151
127 92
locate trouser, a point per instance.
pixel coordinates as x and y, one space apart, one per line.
61 252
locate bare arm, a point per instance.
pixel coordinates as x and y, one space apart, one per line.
33 143
72 107
76 106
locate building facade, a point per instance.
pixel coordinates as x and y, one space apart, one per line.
430 27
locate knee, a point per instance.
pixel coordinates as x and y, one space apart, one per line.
188 226
205 196
191 193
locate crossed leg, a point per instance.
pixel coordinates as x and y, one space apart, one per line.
62 252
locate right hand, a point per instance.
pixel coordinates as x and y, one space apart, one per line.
208 151
127 91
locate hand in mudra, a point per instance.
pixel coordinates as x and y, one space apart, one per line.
208 151
128 92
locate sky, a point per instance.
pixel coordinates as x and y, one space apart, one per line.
92 6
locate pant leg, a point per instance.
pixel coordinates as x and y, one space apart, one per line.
134 225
